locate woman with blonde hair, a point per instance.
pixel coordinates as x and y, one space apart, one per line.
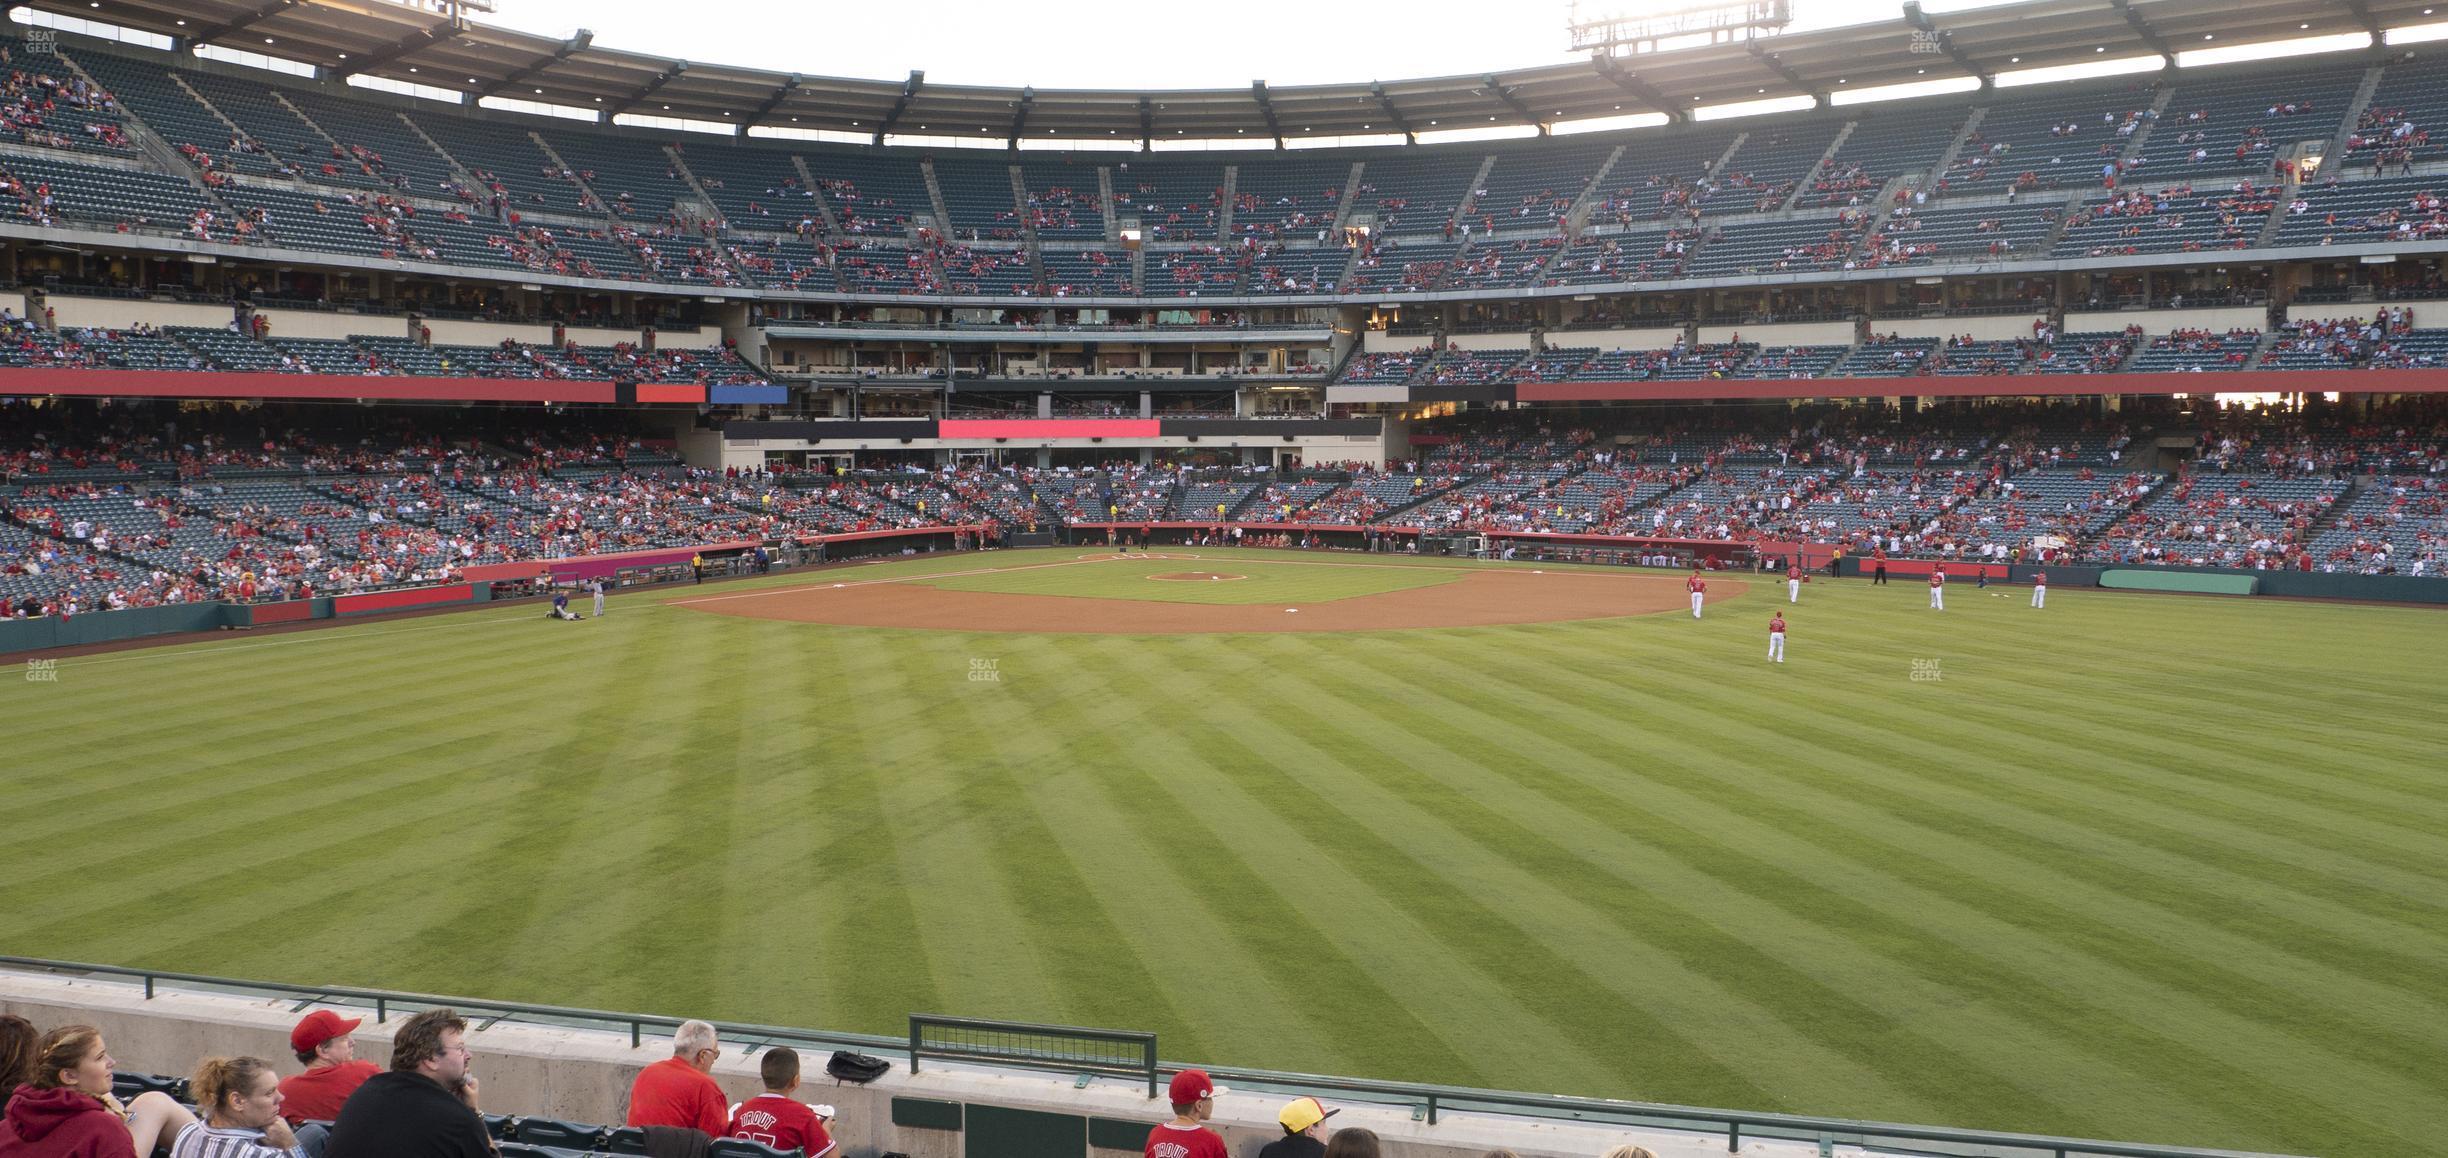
241 1100
1631 1152
66 1109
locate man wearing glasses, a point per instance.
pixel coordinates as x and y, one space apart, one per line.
425 1106
676 1090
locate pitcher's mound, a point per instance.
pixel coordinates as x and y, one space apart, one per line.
1195 577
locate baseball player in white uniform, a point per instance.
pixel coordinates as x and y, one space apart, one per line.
1699 591
1793 583
2039 588
1776 638
1937 590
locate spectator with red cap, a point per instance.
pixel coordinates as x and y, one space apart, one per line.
1303 1119
676 1090
326 1044
1193 1097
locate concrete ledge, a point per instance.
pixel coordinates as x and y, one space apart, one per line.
583 1075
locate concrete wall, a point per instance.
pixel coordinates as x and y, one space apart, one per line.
2161 321
453 332
121 313
585 1075
1517 340
1656 338
323 324
1798 334
1997 329
1379 342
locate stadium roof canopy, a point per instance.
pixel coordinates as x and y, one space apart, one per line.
414 43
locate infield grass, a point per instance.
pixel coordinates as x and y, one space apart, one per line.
1289 582
2144 867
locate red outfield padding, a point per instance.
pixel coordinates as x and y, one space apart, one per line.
227 384
1976 386
408 597
288 611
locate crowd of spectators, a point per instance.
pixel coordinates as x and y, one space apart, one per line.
96 516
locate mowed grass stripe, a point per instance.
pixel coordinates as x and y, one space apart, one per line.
1270 924
2034 721
875 954
1098 972
1724 857
2129 931
1438 767
259 759
1214 1007
1251 750
970 924
1760 973
2143 1029
2315 895
162 727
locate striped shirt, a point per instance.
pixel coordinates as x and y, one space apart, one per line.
198 1140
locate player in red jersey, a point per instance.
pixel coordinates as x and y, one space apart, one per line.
2039 588
1793 583
1193 1099
1938 590
1699 591
1776 637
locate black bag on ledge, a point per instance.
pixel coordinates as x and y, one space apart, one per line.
857 1067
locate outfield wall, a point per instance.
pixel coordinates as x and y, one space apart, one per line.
584 1075
2283 584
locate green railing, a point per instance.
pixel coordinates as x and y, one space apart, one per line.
1101 1052
1067 1048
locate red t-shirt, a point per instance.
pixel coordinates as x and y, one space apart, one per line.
1777 625
1695 585
672 1093
779 1122
315 1096
1170 1141
1937 580
1793 572
2039 578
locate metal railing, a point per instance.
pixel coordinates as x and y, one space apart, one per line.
1066 1048
1119 1053
488 1012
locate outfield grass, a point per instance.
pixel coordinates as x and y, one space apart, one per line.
2145 867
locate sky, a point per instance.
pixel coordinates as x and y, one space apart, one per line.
1094 44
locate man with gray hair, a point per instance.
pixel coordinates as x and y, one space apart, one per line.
676 1090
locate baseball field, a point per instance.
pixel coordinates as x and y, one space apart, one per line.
2146 867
